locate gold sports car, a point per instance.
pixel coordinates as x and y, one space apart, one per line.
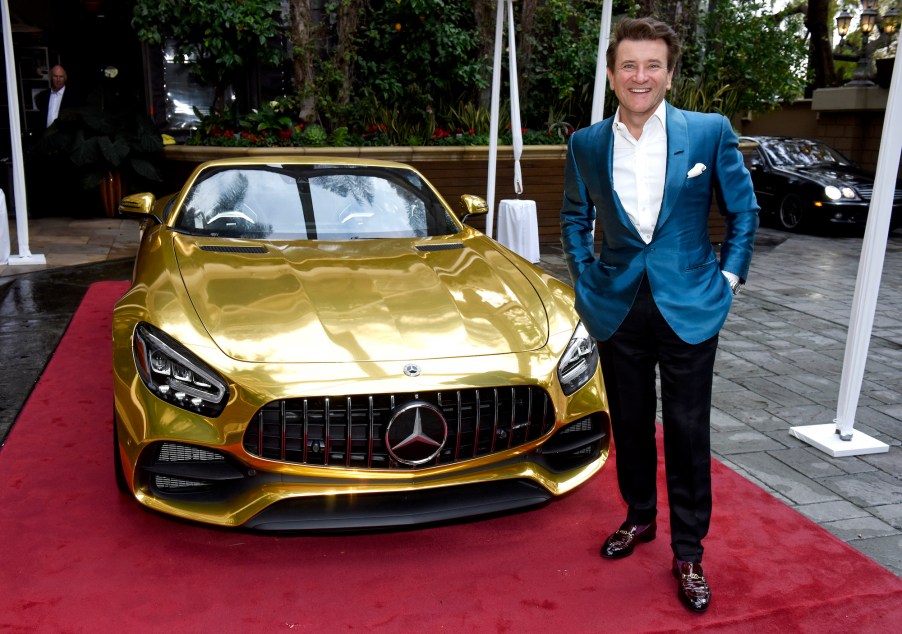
321 344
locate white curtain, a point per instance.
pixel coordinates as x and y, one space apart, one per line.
516 128
601 64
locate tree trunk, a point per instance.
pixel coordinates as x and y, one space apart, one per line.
681 15
304 44
348 21
484 12
820 47
526 42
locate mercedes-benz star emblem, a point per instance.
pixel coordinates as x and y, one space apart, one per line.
416 433
412 369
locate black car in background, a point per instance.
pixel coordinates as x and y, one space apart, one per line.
805 183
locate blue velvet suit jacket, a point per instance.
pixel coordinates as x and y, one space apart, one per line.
680 262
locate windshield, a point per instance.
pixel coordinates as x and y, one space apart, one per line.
803 153
312 202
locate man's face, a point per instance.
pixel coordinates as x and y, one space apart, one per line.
640 78
57 78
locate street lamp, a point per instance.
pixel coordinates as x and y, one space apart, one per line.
867 23
891 20
843 22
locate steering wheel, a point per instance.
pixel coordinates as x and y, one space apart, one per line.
232 217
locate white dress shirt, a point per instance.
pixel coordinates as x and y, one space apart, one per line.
53 105
640 167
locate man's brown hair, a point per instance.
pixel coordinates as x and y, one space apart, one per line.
645 29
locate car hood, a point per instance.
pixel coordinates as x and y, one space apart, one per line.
372 300
831 175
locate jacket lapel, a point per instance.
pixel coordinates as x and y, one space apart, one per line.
677 161
606 145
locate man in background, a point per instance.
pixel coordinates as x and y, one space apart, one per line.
51 102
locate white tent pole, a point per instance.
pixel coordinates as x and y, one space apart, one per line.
516 129
15 130
870 267
601 64
493 121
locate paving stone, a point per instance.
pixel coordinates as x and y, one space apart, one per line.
889 513
804 415
742 441
885 550
821 512
788 481
866 489
889 462
805 463
859 528
721 421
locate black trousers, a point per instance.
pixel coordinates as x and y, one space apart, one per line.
629 358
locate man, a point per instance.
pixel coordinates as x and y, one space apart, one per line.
50 102
656 296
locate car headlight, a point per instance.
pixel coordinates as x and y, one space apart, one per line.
835 193
579 361
175 375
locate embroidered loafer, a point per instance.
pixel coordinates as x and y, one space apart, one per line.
622 542
692 587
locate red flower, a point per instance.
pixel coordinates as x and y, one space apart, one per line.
472 131
284 134
244 135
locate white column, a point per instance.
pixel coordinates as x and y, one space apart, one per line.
25 256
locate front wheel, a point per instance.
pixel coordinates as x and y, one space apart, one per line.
790 213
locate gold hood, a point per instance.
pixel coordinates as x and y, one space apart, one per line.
370 300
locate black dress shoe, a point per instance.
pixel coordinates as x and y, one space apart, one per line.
621 543
692 587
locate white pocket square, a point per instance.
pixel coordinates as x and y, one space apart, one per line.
696 170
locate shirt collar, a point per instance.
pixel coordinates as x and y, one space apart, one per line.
660 114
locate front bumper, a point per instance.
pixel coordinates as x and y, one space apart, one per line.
213 470
854 213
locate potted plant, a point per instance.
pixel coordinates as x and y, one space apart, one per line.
105 145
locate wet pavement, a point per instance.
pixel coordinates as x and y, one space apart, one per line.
779 364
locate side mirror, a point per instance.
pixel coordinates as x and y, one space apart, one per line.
138 207
473 206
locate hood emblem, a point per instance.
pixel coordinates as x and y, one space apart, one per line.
416 433
412 369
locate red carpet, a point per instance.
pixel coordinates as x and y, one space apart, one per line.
76 556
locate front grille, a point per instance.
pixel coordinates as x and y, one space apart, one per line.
179 485
349 431
866 191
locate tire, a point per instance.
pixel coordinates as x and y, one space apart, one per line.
121 484
790 215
